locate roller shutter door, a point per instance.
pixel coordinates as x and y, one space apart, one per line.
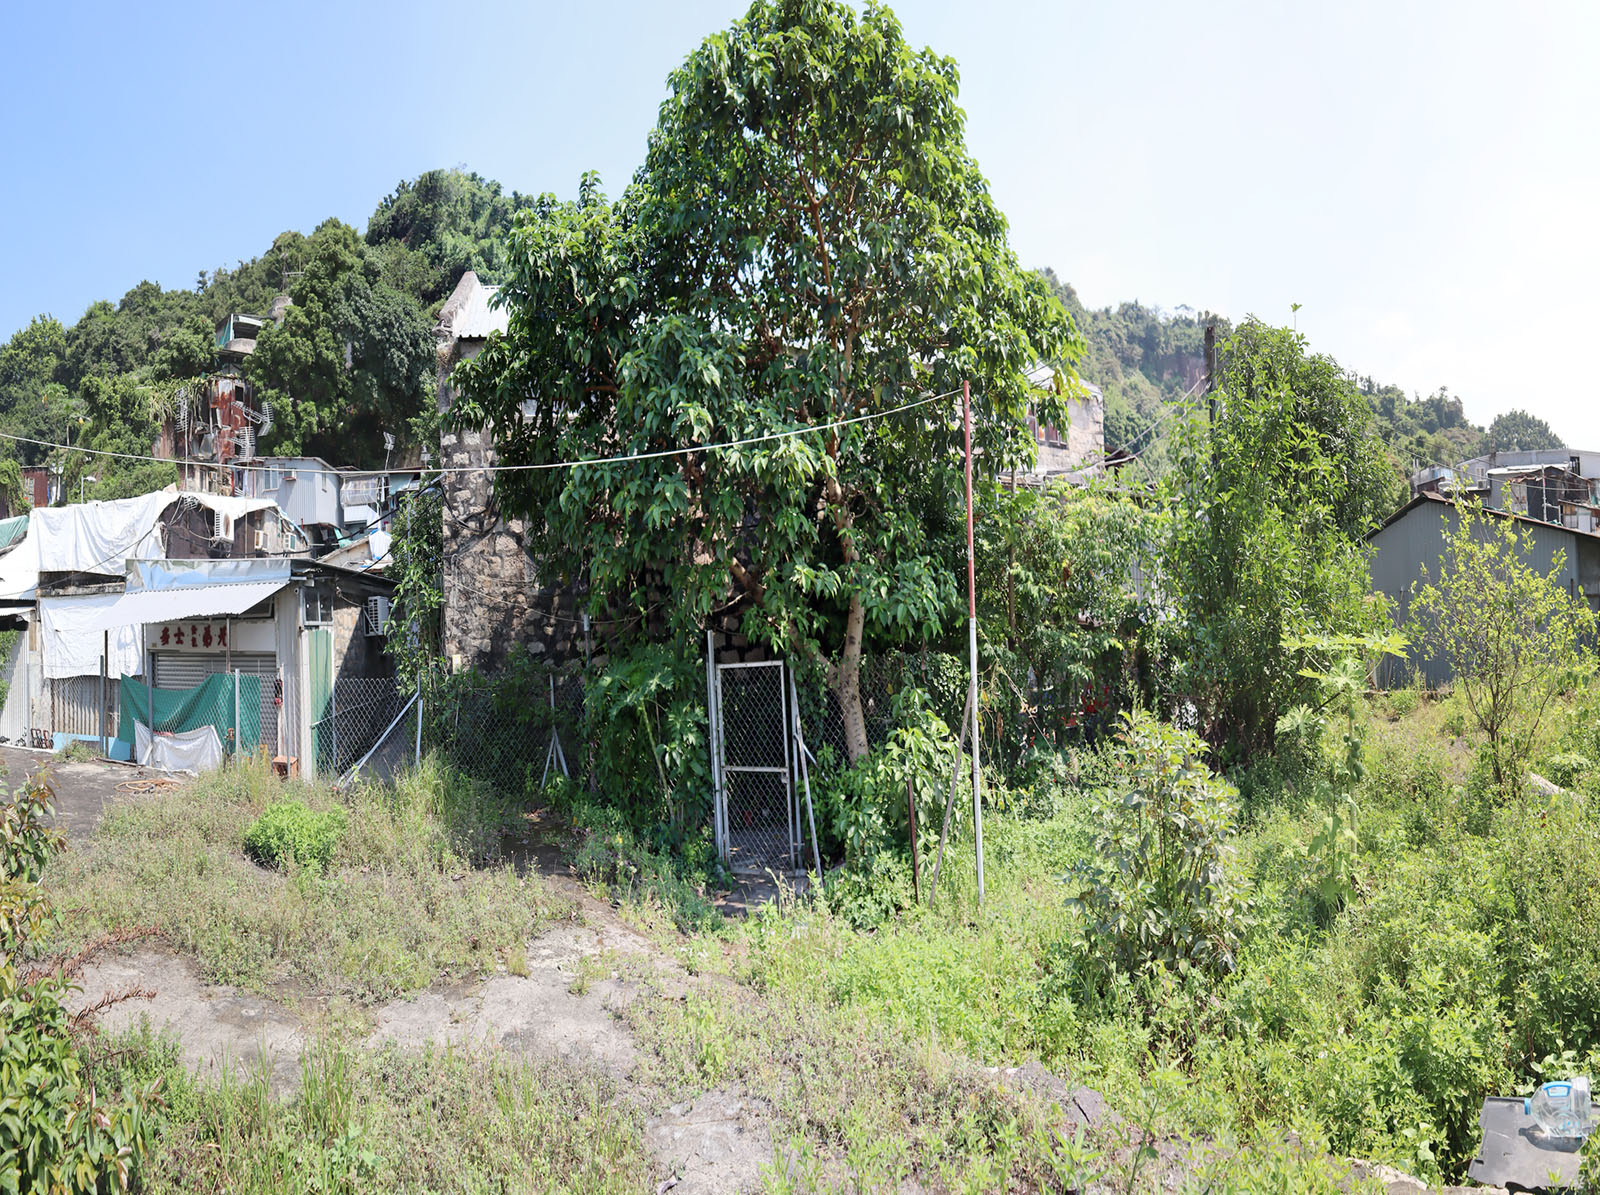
186 670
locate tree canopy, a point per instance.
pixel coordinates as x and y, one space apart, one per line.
1268 505
808 242
1517 430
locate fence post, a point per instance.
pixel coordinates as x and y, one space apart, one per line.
105 652
333 704
238 730
150 692
419 717
713 734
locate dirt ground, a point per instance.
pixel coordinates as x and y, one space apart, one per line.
578 976
84 789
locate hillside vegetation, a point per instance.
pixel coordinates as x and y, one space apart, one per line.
352 357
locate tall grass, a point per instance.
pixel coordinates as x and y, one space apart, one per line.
436 1121
416 888
1459 966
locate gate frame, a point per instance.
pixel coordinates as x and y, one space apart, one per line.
720 766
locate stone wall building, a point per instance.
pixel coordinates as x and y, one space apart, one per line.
1076 451
492 602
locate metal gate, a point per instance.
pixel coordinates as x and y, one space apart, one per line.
185 670
757 819
75 705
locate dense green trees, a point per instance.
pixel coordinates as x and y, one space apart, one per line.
428 232
1267 507
353 358
1514 430
808 241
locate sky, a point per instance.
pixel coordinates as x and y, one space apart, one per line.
1421 176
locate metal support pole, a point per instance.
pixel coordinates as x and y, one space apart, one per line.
333 699
714 734
105 653
238 730
972 641
805 774
419 719
150 692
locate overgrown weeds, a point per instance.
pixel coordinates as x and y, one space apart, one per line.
392 1120
414 889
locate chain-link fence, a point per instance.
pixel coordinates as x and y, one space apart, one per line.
512 731
363 713
753 734
885 682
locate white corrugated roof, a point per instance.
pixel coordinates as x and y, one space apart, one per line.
477 319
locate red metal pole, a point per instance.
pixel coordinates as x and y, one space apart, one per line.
972 584
972 640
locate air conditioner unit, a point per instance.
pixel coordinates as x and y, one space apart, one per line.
261 541
378 616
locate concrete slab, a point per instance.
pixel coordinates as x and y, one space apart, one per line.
84 789
218 1027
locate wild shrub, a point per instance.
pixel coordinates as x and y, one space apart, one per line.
608 851
1569 769
289 832
1157 889
1513 636
59 1131
862 810
1546 909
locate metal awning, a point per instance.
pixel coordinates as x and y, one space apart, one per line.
186 601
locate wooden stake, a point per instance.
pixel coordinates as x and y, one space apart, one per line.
950 801
911 813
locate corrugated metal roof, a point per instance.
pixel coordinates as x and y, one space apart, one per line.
477 319
468 315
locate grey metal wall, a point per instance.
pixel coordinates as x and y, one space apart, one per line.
1417 540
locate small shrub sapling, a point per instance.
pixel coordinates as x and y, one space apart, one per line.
1156 889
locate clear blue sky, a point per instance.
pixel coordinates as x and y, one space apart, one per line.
1423 177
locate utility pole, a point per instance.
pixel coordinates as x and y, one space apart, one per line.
972 640
1211 369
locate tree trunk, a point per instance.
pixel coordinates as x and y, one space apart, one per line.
847 682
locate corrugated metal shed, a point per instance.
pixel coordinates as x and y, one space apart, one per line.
1412 540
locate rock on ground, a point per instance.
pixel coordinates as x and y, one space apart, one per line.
717 1144
218 1027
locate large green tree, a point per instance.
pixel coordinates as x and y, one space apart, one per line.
351 359
1514 430
808 242
430 230
1267 508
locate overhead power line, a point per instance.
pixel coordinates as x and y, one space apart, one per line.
442 470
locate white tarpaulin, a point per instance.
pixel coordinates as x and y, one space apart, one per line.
71 637
99 537
169 605
193 751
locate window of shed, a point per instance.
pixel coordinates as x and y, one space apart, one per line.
318 603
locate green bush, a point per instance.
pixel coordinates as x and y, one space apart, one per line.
1156 889
57 1131
1569 769
290 832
